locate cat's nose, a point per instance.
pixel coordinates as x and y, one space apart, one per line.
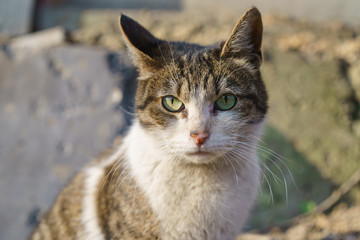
199 138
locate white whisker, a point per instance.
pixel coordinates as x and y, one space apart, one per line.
256 166
273 162
236 176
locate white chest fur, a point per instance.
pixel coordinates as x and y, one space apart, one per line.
192 201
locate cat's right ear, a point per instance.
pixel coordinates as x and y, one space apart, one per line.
142 44
245 39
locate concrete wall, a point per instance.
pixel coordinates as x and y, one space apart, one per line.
158 4
16 16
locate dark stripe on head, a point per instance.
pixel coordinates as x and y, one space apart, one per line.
255 100
255 121
178 89
147 101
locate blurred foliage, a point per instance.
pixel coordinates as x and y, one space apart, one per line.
290 186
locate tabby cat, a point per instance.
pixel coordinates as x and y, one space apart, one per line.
187 169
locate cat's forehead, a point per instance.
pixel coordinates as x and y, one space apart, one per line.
202 75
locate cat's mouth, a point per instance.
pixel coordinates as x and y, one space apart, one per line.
199 153
200 157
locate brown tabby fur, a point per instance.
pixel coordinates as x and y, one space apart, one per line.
63 220
123 209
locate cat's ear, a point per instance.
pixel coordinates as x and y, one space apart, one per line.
142 44
245 39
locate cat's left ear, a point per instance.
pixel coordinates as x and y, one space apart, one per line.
245 39
144 47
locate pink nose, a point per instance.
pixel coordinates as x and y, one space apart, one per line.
199 138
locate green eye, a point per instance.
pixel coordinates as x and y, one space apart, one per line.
172 104
225 102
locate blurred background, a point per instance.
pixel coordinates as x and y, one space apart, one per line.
66 92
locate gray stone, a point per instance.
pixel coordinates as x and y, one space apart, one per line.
58 109
23 46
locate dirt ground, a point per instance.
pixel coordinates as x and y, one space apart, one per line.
341 224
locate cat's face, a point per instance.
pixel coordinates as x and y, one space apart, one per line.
199 103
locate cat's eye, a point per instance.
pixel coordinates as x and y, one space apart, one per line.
225 102
172 104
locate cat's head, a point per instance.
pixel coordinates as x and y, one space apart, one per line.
199 103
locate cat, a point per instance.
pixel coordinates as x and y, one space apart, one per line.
187 168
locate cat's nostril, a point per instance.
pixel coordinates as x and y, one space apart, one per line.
199 138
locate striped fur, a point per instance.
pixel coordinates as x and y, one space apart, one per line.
95 206
159 183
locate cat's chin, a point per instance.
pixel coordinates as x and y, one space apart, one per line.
200 157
